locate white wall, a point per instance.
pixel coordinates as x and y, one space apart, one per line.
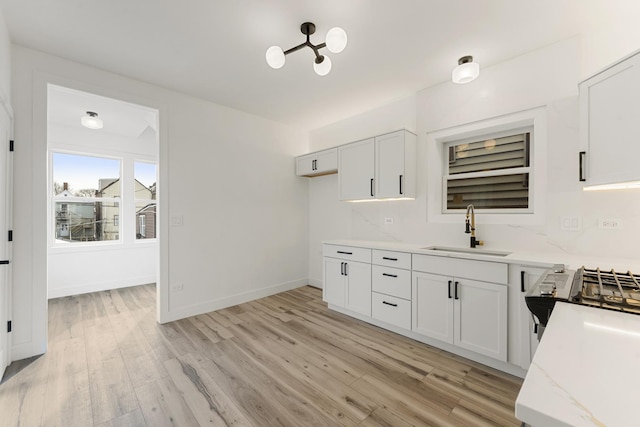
75 268
545 78
229 175
5 62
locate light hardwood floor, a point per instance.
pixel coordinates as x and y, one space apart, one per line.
280 360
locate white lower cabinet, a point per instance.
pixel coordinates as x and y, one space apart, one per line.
525 337
467 313
347 278
465 303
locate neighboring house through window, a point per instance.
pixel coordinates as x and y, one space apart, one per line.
490 173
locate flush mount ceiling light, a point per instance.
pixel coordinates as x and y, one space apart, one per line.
91 120
466 71
336 41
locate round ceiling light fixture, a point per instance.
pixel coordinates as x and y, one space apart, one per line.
466 71
91 121
336 41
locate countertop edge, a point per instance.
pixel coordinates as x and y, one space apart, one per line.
529 259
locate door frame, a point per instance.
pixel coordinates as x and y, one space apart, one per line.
34 268
5 347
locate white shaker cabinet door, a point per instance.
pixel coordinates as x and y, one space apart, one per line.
359 287
480 312
356 170
432 307
610 113
334 291
390 165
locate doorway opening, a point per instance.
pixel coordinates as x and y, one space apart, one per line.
102 196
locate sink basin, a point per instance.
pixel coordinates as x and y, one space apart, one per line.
467 251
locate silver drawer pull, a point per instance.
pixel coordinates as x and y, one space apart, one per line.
389 259
390 303
389 275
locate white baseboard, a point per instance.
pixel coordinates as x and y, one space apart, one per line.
102 286
488 361
316 283
213 305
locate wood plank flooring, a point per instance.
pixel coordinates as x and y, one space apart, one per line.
281 360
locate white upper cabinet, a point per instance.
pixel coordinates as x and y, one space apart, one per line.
395 156
609 116
356 170
320 163
378 168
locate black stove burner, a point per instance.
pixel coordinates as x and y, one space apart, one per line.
607 289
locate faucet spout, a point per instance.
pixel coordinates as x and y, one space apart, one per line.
470 227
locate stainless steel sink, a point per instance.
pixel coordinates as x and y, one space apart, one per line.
467 251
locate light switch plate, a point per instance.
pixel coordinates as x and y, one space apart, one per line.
177 220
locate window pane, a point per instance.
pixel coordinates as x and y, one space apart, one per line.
86 221
145 220
85 176
495 192
491 154
145 175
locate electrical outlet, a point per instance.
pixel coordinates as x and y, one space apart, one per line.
178 287
388 221
610 223
177 220
571 223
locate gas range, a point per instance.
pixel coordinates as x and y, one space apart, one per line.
607 289
592 287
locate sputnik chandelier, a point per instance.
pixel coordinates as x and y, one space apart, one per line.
335 42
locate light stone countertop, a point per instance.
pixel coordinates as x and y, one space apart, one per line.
532 259
585 371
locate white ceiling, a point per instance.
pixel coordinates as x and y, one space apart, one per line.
215 49
66 106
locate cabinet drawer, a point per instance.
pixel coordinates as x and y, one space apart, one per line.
347 253
392 259
396 311
391 281
485 271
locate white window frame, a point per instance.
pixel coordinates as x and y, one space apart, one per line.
74 199
438 142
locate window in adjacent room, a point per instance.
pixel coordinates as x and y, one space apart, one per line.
491 173
145 200
86 196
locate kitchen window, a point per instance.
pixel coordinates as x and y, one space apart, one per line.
492 172
496 164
